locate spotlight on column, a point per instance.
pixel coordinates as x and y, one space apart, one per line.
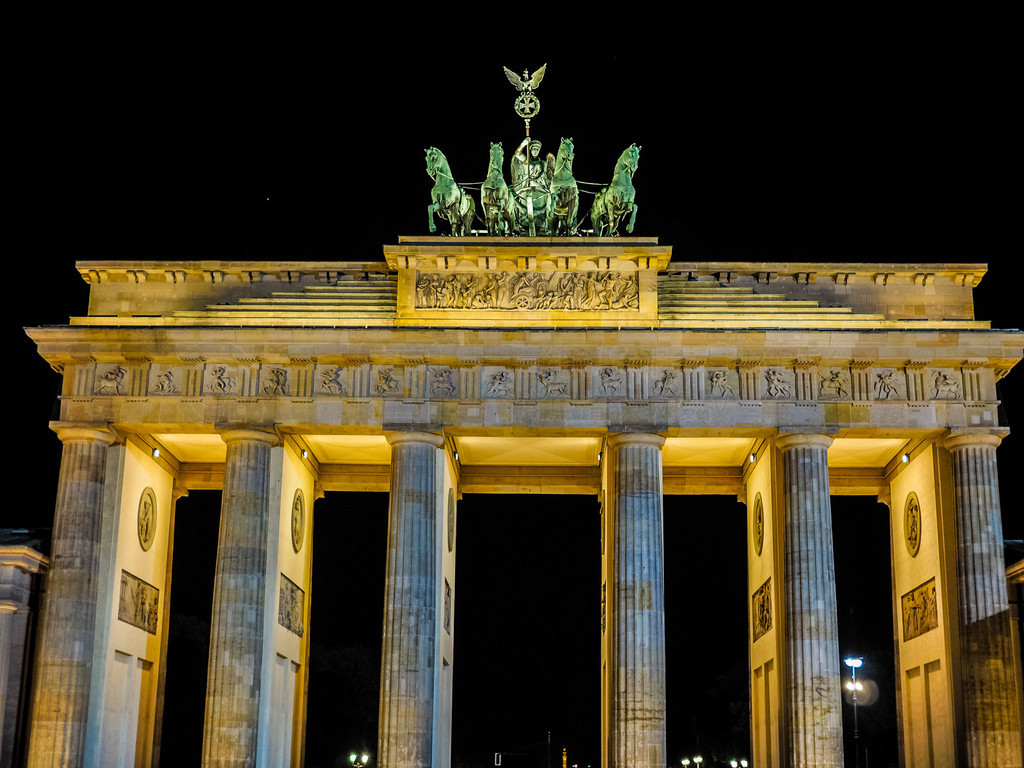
906 458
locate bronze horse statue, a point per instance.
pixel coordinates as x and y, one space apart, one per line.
495 196
616 200
565 195
448 200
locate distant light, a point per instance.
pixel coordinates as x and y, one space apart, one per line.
753 458
456 455
156 453
906 457
305 453
855 686
854 662
599 455
743 764
734 763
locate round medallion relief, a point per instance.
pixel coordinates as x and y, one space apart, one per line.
451 519
147 519
298 519
912 524
758 525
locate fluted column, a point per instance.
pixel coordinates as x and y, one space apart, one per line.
637 728
64 653
410 604
991 716
236 629
813 693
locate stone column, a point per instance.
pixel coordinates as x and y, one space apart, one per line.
811 684
68 622
410 604
637 718
991 716
236 629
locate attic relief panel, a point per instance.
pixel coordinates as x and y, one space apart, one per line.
529 291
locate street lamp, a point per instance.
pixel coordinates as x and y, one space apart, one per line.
358 761
685 761
854 663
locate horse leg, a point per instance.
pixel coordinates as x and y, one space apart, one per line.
632 219
431 210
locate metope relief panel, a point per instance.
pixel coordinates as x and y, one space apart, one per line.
118 379
944 384
290 605
275 381
833 384
550 384
497 383
442 382
920 611
888 384
222 380
529 291
609 381
166 380
138 603
333 381
777 383
387 381
722 384
666 383
761 610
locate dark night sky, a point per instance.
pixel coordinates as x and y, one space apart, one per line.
856 145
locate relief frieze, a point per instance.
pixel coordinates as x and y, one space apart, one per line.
331 380
290 606
920 611
761 610
138 603
529 291
722 384
833 384
945 384
778 383
889 384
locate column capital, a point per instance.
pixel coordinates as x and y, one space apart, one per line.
395 438
253 434
84 432
801 440
635 438
972 440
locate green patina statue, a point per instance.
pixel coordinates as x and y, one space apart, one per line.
544 196
447 199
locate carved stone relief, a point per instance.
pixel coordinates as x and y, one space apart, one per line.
451 519
290 606
275 381
331 380
498 383
722 384
447 607
165 382
220 380
388 383
298 519
920 611
778 383
834 384
945 384
611 381
552 383
441 383
138 603
761 610
889 384
574 291
147 519
110 380
666 384
912 524
758 525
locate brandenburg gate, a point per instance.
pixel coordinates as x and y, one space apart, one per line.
592 366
